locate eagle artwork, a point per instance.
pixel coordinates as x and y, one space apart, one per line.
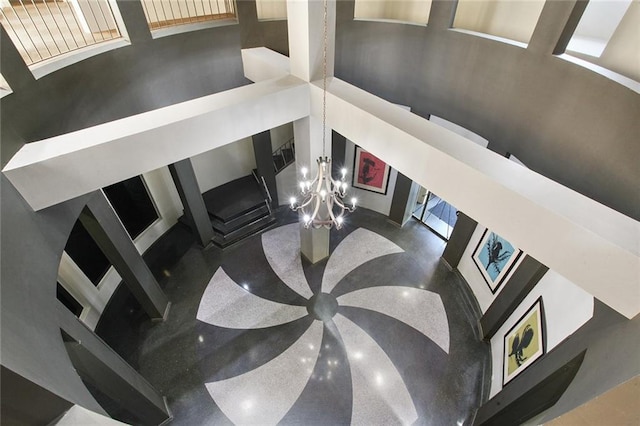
495 253
520 344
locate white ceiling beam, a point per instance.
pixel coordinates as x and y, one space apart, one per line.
588 243
63 167
260 63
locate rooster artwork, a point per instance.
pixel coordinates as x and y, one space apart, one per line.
519 344
524 343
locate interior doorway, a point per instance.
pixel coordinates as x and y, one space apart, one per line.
435 213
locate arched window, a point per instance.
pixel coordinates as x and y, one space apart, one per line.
607 35
507 19
170 13
43 30
413 11
271 9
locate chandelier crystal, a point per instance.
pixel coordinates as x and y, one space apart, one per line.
322 198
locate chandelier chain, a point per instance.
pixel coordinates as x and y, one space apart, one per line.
324 82
322 203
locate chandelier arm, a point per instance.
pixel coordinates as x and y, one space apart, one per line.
320 177
330 209
344 206
305 203
316 208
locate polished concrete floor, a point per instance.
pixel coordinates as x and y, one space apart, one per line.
378 333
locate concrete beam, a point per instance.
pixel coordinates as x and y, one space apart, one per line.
260 64
104 226
187 185
63 167
108 372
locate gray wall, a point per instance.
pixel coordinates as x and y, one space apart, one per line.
563 121
123 82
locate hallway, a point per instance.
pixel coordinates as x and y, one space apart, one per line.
379 333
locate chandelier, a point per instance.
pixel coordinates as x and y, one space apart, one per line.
323 204
323 197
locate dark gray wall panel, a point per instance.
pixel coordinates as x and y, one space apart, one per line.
32 245
400 210
523 280
562 120
135 21
18 396
194 209
507 411
613 344
459 240
264 163
12 66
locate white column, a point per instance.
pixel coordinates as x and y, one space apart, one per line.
305 22
306 51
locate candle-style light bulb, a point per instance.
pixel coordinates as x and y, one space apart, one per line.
292 200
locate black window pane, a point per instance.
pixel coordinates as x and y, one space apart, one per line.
68 300
86 253
133 205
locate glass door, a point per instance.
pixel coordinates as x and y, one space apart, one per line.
438 215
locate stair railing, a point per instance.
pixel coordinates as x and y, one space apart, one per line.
266 190
288 146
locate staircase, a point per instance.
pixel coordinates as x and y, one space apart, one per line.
238 210
242 208
284 155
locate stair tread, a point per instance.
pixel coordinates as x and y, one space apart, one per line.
237 223
245 232
233 199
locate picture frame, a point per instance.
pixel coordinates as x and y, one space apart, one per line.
495 257
369 172
525 342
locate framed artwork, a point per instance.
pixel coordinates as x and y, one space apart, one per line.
524 343
495 257
370 172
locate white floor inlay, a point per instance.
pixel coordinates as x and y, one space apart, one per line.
264 396
420 309
357 248
226 304
282 248
380 396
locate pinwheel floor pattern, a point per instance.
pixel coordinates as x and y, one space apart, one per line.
349 347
